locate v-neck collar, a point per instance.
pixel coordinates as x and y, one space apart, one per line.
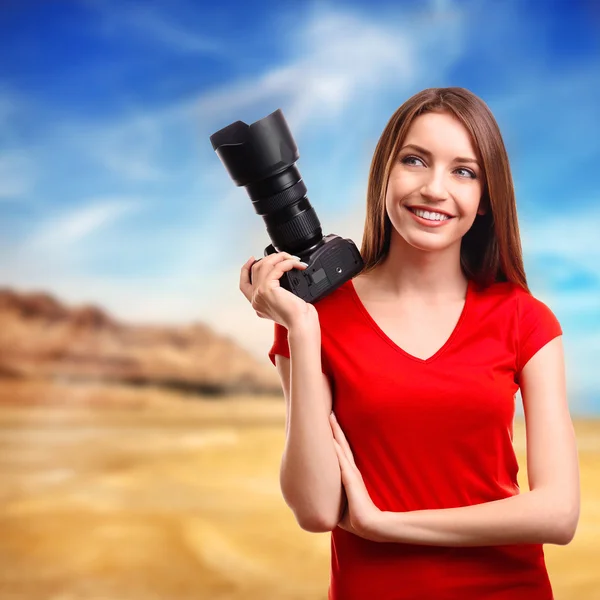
375 326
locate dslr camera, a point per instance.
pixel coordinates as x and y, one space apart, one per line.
262 158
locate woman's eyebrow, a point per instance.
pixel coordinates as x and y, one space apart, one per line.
461 159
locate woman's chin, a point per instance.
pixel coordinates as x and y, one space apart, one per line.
426 242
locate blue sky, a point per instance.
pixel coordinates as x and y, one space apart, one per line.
110 191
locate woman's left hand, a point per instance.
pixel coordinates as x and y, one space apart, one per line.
361 516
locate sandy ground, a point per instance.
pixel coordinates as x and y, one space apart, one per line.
119 494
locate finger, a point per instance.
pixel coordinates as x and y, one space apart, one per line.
250 269
279 256
271 267
353 487
341 455
341 459
253 269
278 269
346 467
273 259
245 284
349 463
339 435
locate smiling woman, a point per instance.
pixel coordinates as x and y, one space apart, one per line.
423 353
434 185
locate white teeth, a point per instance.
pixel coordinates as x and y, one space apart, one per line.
431 216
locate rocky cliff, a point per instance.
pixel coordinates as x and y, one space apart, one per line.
42 337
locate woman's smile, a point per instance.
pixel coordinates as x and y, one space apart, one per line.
428 218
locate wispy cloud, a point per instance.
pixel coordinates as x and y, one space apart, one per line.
53 255
127 147
339 56
78 224
155 25
565 240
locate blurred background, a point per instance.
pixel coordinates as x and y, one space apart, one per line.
141 422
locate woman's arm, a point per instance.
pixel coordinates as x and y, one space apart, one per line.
310 476
531 518
547 514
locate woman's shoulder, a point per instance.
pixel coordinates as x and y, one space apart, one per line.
513 296
505 288
498 298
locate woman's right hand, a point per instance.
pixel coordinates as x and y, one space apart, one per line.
264 292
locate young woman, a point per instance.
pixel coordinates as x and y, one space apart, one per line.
400 385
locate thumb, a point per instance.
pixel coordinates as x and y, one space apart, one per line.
245 283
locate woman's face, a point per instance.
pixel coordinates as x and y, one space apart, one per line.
436 177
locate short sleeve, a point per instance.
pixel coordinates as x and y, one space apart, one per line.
280 343
281 346
537 326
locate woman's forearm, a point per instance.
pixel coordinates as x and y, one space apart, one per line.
310 473
533 517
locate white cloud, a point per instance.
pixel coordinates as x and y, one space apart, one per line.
342 55
156 26
339 57
51 257
81 222
568 234
128 147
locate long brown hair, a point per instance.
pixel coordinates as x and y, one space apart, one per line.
491 249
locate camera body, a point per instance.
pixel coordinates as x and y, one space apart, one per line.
333 262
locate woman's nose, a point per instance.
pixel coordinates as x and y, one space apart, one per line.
434 187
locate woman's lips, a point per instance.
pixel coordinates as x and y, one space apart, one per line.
427 222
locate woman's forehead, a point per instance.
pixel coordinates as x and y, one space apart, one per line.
440 133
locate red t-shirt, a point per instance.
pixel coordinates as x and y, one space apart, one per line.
432 434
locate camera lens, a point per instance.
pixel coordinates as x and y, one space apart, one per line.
261 157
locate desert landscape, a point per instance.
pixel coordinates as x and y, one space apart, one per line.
152 495
135 465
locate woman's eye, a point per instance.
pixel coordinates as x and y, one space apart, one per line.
469 173
407 161
407 158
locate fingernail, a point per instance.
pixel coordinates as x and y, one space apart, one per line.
296 257
302 263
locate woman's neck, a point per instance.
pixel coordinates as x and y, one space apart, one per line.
409 272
